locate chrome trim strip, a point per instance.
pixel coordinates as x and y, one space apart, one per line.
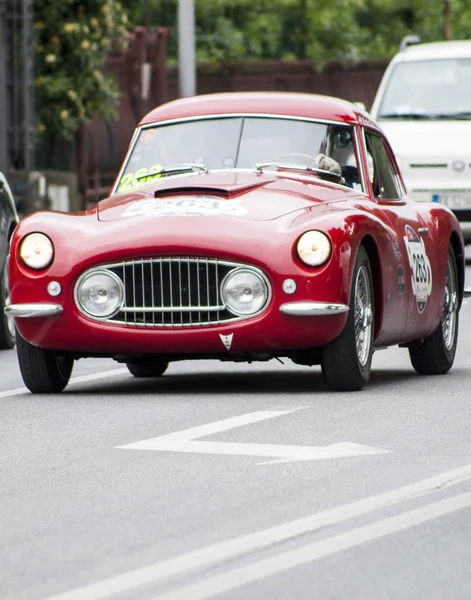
313 309
240 115
170 309
363 176
36 309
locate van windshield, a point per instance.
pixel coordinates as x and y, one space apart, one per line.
429 89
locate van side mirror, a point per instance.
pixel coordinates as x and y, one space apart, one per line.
409 40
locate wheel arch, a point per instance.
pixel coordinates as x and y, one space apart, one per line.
369 243
460 262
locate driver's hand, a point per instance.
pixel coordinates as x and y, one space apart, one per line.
328 164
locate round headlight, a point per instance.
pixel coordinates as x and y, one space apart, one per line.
100 294
36 251
244 292
314 248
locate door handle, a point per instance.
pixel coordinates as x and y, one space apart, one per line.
423 230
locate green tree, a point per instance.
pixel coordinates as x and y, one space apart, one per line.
73 38
346 30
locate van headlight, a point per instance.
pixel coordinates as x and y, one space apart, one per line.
36 251
245 292
314 248
99 294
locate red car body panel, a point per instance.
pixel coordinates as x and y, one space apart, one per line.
278 208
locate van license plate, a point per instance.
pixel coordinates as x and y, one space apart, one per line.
454 201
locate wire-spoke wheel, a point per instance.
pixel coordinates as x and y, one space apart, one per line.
363 315
449 320
7 323
346 361
436 354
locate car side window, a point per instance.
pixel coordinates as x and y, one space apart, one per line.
383 177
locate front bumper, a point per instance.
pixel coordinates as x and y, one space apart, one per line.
56 327
32 310
312 309
297 309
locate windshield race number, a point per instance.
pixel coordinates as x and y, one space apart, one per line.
419 262
131 180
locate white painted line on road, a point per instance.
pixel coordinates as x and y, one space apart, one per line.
260 569
183 441
236 547
78 379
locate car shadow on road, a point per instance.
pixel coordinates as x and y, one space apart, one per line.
257 382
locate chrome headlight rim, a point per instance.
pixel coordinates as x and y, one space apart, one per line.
90 273
44 239
324 257
265 281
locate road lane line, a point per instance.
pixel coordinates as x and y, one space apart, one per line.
260 569
184 441
230 549
78 379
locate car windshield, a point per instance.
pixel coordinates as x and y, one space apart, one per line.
239 143
429 89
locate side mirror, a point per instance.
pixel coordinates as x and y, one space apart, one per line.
409 40
360 105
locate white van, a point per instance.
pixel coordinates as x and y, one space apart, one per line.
423 104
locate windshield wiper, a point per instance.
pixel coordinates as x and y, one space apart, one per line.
407 116
329 175
461 115
176 169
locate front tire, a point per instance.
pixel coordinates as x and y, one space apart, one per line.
43 371
346 361
156 369
7 324
436 354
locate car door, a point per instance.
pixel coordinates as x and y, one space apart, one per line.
411 286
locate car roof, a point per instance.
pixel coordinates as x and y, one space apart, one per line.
311 106
435 51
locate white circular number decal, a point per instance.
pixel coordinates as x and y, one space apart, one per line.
421 277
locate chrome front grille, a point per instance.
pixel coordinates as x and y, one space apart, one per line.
172 292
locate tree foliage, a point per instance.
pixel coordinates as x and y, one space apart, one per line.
73 38
320 30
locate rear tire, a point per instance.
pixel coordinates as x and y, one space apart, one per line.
7 324
43 371
346 361
156 369
436 354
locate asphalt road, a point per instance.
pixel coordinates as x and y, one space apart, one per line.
377 508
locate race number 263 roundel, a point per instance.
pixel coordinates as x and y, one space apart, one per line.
421 277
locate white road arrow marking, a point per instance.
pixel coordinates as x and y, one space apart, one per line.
184 441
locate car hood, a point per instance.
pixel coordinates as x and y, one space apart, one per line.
428 139
240 195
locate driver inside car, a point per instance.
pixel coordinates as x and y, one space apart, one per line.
327 163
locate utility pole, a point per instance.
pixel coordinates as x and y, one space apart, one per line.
447 19
186 47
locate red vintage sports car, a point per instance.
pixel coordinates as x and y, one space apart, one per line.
242 227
